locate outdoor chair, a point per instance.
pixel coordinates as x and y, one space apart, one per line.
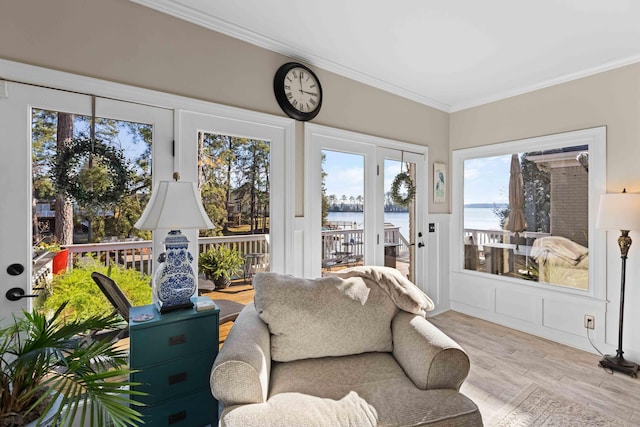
229 310
116 297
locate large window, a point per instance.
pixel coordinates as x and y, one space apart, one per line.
526 208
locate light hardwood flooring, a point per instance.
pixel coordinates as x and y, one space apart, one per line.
504 362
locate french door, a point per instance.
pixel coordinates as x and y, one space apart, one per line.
16 115
277 142
350 219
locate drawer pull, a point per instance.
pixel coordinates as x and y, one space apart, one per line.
177 339
177 417
177 378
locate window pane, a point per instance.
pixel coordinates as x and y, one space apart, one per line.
398 221
343 242
526 216
234 186
80 214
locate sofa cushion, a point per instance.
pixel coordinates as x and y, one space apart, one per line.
323 317
380 381
302 410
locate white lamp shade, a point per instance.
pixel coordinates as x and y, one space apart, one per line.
174 205
619 211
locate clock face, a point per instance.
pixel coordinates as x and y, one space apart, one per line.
298 91
301 89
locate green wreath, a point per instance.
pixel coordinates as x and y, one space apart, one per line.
104 183
401 179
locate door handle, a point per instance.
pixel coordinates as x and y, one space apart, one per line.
16 294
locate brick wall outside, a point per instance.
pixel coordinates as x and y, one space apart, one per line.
569 203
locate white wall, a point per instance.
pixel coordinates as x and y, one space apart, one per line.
610 99
120 41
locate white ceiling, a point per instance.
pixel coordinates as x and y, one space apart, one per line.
448 54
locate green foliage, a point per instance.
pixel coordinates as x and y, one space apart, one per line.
113 219
233 171
537 196
43 359
220 261
85 298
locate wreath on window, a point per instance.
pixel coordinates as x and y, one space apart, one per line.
90 172
402 180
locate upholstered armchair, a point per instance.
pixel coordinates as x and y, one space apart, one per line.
351 349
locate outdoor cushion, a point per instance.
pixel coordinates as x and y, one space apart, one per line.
329 316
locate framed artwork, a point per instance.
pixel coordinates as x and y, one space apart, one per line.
439 182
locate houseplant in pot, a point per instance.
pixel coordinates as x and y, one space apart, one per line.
51 373
219 264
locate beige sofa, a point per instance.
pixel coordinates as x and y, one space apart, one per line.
352 349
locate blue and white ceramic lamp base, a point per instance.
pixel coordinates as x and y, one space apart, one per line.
175 281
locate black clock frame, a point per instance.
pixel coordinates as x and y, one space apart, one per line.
281 97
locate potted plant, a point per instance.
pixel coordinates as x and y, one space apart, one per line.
51 373
219 264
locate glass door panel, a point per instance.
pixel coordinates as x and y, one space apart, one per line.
80 218
399 219
348 180
234 182
343 239
37 118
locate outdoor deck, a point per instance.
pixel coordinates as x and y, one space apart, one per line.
239 291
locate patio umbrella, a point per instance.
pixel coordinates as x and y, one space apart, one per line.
516 222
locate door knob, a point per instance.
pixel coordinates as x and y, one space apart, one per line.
16 294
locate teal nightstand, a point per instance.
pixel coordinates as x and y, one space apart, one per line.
174 353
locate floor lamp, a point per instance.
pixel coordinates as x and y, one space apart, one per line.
620 212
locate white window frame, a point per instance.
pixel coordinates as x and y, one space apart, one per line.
595 138
318 138
281 245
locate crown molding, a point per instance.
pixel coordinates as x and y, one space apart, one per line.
176 9
547 83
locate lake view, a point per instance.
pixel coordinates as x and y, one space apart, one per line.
478 218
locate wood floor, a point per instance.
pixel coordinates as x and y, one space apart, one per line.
504 362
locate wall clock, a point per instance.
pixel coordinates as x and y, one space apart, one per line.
298 91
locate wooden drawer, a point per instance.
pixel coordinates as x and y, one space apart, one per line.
175 378
193 410
173 340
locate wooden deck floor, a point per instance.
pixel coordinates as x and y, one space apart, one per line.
238 291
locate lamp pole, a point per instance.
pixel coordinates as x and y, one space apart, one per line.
618 362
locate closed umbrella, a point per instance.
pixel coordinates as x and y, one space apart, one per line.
516 222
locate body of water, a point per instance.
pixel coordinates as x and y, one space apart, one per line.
481 218
400 219
478 218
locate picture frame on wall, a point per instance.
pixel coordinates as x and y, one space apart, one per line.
439 182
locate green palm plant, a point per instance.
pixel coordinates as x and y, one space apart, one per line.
44 361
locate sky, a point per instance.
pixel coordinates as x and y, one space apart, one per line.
345 173
486 180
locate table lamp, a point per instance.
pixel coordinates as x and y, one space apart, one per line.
620 212
174 205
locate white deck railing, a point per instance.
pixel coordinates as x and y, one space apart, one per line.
349 242
137 254
483 237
